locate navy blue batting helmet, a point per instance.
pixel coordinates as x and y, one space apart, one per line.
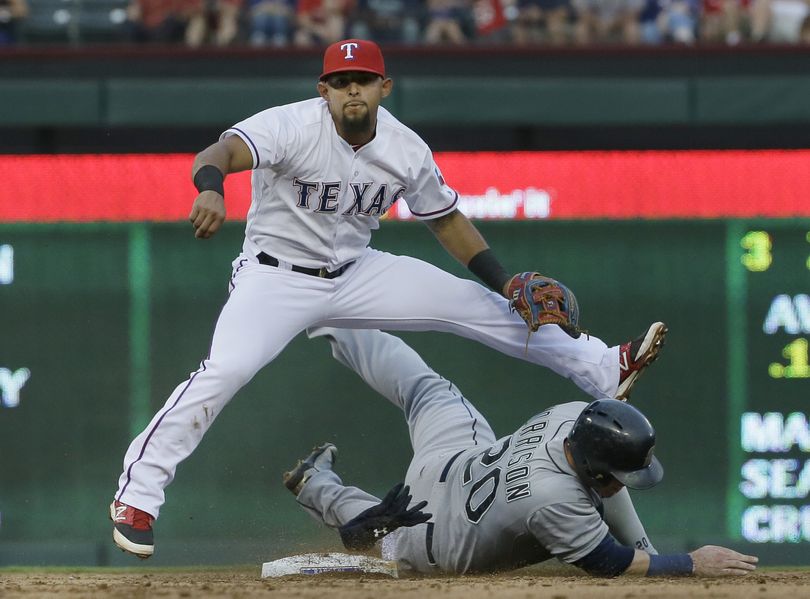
613 440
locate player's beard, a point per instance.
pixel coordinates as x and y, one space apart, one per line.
356 125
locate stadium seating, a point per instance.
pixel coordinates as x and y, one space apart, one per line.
50 21
102 20
74 21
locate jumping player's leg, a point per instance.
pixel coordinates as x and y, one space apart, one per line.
403 293
252 329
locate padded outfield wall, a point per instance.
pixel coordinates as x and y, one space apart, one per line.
107 302
125 99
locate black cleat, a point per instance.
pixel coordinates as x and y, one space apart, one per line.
321 458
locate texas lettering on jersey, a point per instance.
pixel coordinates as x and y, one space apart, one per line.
316 199
368 199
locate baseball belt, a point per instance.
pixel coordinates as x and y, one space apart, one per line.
321 273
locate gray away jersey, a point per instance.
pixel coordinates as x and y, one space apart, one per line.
517 502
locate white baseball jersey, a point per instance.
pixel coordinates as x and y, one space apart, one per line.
316 199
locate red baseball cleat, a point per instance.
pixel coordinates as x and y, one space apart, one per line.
132 529
636 355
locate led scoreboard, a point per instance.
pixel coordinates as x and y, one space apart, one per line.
11 380
773 386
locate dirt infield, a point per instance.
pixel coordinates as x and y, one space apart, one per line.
245 583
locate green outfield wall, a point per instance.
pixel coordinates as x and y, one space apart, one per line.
101 321
153 87
152 99
533 101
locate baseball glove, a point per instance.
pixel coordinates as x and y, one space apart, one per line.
363 531
541 300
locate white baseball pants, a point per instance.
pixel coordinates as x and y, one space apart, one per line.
269 306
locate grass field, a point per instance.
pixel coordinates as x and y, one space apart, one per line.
245 582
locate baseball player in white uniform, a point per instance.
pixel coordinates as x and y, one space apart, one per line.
556 487
324 171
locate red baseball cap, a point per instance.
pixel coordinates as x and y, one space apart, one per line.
353 55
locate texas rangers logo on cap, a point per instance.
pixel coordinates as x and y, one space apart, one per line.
353 55
348 47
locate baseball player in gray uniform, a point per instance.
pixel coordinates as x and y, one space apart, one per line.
556 487
324 171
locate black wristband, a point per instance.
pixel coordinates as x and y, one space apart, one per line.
209 178
671 565
486 267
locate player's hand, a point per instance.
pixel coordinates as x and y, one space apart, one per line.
712 560
207 214
391 513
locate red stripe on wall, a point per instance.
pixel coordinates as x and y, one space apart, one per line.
655 184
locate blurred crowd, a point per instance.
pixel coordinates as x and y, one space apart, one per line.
301 23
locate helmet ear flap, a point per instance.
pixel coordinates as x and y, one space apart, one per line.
612 441
583 468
